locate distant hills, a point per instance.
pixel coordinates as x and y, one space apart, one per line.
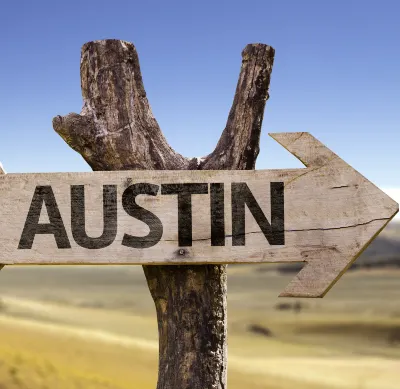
383 251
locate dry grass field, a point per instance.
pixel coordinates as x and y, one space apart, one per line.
95 327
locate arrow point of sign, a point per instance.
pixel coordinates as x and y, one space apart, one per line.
351 235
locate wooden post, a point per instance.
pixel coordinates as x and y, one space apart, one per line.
116 130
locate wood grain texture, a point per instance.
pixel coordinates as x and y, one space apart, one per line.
331 213
116 130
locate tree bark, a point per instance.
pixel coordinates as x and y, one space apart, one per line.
116 130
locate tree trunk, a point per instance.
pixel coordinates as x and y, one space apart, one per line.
116 130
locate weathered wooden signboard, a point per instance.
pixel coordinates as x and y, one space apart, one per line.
324 215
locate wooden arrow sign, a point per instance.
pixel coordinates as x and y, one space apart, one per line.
324 215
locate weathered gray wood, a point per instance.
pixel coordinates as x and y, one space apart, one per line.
331 213
115 131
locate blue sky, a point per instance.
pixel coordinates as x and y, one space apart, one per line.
336 74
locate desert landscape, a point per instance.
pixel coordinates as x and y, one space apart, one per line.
95 327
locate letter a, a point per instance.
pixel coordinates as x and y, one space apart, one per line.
44 194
